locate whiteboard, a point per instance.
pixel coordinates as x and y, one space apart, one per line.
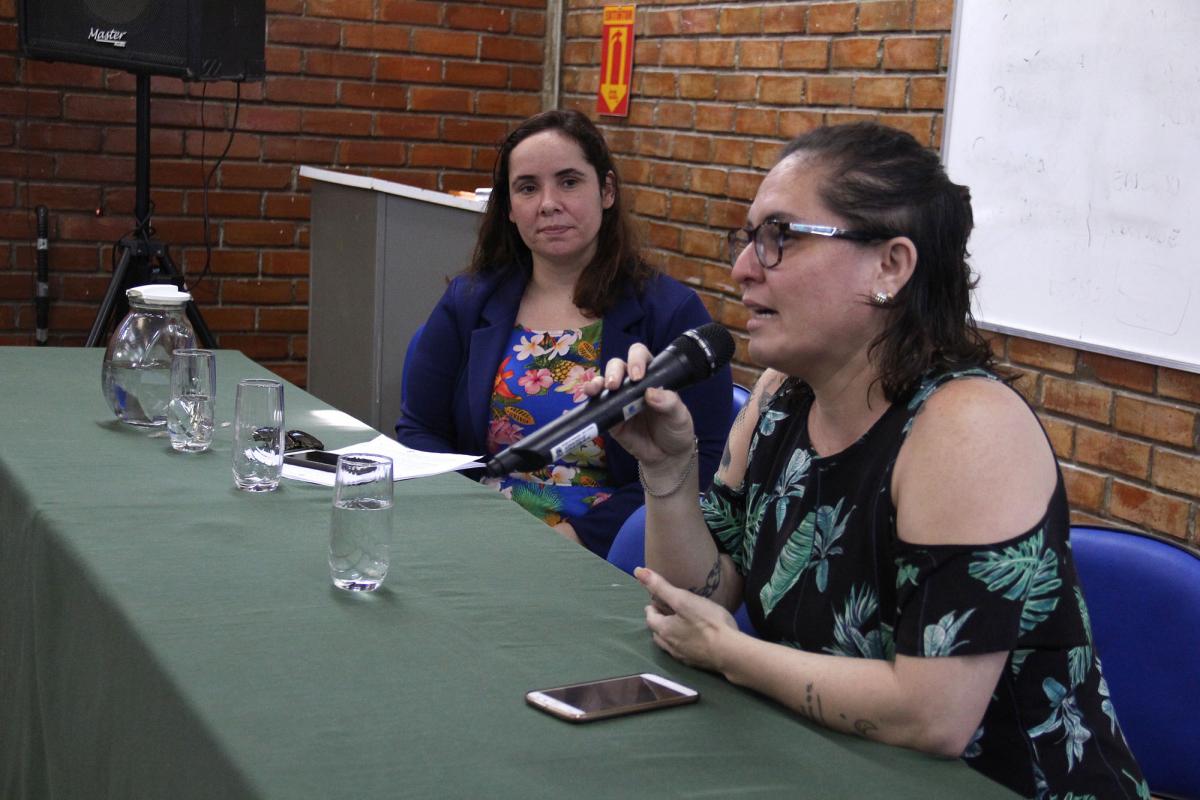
1076 124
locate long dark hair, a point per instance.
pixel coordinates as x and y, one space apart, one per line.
616 263
882 180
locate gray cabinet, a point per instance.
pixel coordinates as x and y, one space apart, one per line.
380 254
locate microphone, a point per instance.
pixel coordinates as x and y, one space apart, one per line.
692 357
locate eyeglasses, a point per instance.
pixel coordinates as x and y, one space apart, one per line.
769 235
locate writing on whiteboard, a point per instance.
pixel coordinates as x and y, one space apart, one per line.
1153 297
1079 144
1156 182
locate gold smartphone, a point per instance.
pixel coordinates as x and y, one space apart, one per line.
611 697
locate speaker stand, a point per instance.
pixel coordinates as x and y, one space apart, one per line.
144 259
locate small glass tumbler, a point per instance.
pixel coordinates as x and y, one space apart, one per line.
360 532
192 409
258 435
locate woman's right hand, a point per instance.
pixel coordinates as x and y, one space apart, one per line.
662 433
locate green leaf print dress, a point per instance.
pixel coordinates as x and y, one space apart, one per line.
815 539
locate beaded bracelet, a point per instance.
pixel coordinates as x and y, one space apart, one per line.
691 465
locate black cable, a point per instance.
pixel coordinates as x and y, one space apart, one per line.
237 105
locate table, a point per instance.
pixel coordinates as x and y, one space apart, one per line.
163 635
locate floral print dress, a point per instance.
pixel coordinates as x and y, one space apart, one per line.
541 378
815 538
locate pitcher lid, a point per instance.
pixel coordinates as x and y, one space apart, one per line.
158 294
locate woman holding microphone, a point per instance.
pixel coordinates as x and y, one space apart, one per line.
889 510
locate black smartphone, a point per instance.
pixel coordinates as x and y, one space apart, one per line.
611 697
313 459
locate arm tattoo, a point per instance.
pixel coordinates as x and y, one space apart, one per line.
727 456
812 705
711 582
864 728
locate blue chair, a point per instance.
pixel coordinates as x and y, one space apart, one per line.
740 395
628 551
1143 598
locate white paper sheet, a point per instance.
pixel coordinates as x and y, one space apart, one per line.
406 462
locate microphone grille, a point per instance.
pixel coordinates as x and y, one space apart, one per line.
713 346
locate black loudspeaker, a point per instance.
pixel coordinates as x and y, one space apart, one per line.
197 40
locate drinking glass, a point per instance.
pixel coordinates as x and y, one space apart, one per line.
191 411
360 532
258 435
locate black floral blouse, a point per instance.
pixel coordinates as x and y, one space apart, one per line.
815 539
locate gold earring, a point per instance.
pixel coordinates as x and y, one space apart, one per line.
881 299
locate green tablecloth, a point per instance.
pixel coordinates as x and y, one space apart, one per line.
163 635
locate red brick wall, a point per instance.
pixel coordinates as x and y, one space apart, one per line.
413 91
1125 432
420 92
718 88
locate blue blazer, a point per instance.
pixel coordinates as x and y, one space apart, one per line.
446 404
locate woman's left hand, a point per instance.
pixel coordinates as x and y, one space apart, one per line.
693 632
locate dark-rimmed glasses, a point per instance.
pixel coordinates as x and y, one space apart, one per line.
768 237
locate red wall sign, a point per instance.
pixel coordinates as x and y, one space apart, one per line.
616 61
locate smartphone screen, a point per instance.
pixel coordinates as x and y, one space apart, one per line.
629 694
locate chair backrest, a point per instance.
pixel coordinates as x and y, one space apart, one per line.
628 549
740 395
1143 598
628 552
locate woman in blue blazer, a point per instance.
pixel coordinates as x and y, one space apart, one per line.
555 288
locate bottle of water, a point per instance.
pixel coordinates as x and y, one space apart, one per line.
136 376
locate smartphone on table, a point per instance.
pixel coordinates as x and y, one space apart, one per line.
611 697
313 459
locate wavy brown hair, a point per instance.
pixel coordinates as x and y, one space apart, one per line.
882 180
616 263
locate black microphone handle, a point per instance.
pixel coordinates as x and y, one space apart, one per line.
594 417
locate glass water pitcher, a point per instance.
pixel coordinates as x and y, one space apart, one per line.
136 375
